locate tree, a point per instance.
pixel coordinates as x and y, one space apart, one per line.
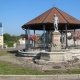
22 35
7 37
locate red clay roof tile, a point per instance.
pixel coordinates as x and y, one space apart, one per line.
47 16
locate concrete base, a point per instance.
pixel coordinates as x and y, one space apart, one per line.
56 44
56 56
63 56
28 53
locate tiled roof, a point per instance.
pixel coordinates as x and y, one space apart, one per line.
46 18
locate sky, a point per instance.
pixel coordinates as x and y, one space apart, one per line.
15 13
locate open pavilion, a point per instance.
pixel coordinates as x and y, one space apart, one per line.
44 22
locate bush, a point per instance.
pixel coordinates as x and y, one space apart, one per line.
9 43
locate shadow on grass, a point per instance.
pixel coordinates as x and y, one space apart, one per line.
13 52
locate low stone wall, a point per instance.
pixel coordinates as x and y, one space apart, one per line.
52 56
56 56
28 53
75 53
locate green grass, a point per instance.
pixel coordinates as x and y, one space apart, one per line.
9 43
3 53
9 69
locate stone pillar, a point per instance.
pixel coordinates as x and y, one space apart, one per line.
56 44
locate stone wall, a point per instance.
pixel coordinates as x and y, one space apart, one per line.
56 56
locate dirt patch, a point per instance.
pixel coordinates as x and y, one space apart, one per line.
20 61
26 62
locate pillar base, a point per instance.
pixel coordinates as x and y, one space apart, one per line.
56 44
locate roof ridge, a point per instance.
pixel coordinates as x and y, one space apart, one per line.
68 14
47 15
62 15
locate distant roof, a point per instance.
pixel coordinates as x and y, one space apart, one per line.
46 19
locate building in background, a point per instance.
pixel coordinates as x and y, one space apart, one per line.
1 41
22 40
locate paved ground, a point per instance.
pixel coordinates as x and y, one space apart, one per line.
18 47
40 77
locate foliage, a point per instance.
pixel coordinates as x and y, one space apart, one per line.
22 35
34 38
9 43
76 36
8 37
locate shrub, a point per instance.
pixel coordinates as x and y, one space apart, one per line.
10 43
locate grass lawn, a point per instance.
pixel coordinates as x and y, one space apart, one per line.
3 53
10 69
